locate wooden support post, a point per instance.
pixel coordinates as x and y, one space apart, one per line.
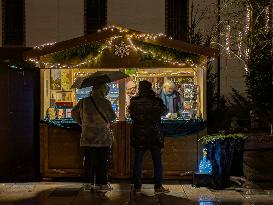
122 100
42 91
202 81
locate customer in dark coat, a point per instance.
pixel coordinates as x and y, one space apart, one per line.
146 110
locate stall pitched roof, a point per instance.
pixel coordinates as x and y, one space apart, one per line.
111 31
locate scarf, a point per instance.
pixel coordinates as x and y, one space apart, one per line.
168 101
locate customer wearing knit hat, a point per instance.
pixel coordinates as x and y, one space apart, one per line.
145 111
145 85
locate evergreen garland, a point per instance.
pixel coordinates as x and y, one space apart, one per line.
74 54
221 136
84 52
176 55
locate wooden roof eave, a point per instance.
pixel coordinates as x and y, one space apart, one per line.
186 47
106 34
75 42
180 45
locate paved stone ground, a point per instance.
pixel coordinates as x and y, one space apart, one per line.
182 193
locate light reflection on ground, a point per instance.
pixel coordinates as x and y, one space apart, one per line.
48 193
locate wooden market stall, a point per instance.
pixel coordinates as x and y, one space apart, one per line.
141 55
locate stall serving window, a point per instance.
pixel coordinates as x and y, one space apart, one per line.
185 88
59 98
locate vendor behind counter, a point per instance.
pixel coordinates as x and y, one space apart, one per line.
171 98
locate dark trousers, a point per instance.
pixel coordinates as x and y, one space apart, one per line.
96 163
138 165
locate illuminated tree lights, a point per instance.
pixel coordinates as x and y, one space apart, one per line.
228 40
240 29
247 20
267 19
240 38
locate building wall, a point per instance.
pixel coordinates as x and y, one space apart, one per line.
232 70
0 23
232 76
143 15
56 20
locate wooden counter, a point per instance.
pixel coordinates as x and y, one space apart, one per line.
62 156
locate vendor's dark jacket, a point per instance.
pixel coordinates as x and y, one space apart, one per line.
145 111
177 104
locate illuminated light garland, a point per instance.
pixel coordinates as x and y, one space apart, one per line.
145 73
147 36
248 19
247 53
139 36
246 68
240 38
161 58
247 50
243 52
228 40
267 19
112 27
40 47
109 46
86 62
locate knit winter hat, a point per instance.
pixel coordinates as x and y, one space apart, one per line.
145 85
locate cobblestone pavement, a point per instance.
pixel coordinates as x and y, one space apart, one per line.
71 193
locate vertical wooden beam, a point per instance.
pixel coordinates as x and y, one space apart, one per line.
42 88
122 99
202 79
204 82
218 73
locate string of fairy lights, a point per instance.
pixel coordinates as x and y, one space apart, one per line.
40 47
247 28
240 38
80 74
109 45
267 19
228 40
247 21
243 50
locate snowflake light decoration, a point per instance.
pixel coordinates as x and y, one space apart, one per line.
122 49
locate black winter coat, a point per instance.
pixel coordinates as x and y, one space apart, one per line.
146 111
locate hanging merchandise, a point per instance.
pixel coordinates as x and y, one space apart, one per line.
190 92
